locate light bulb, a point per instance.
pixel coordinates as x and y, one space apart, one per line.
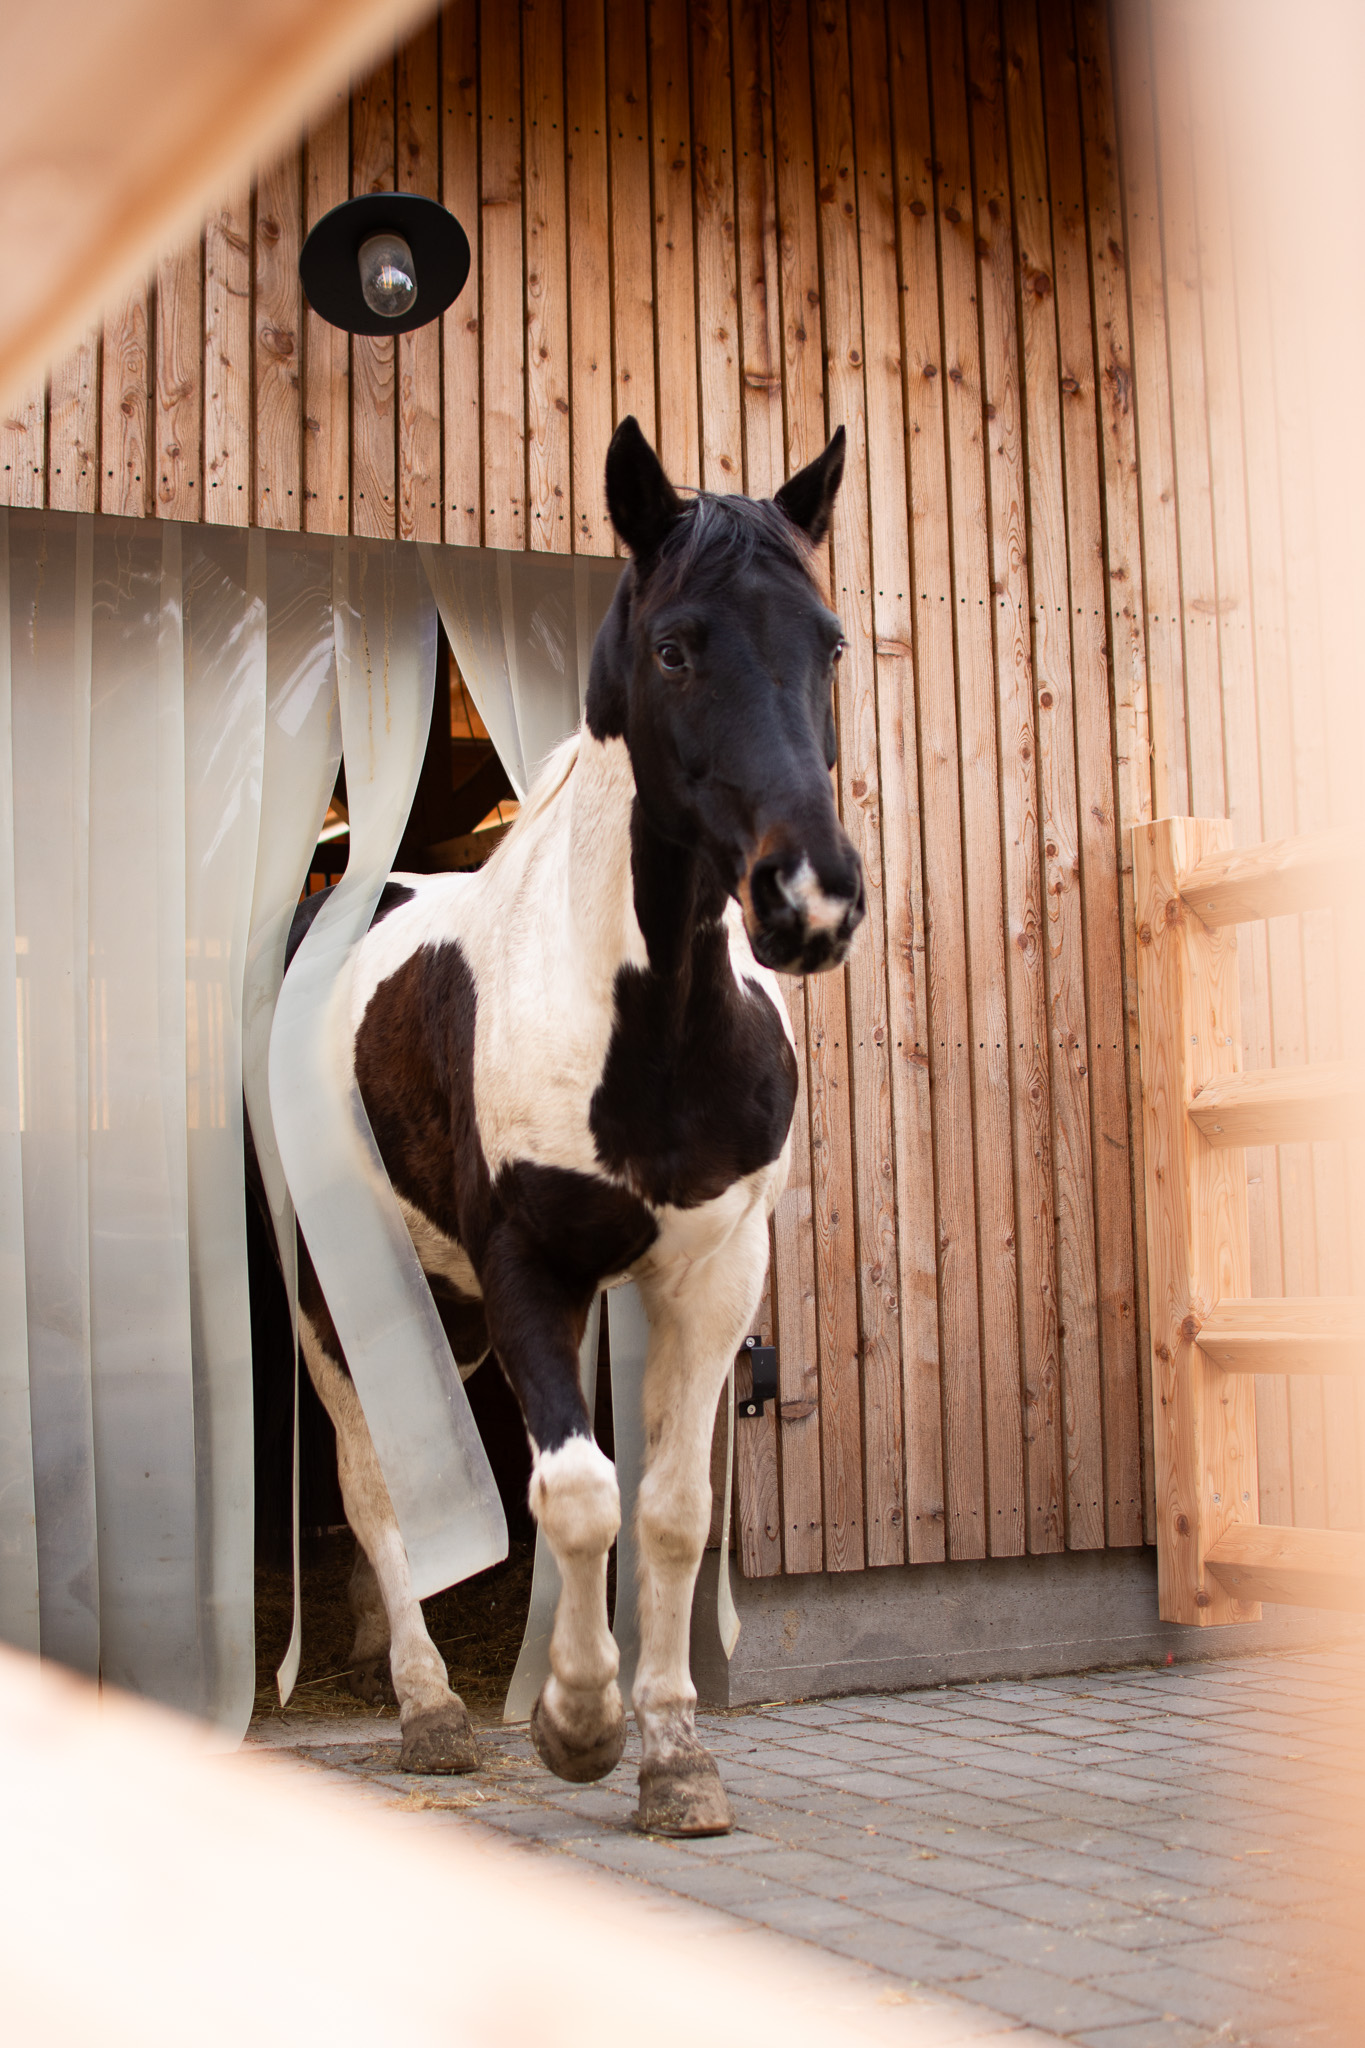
388 280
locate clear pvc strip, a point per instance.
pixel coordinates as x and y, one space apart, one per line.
469 591
18 1531
50 573
225 705
142 1385
439 1479
302 752
628 1329
533 1660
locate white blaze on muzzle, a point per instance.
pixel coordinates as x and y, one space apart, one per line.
803 892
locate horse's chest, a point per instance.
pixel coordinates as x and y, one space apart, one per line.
691 1102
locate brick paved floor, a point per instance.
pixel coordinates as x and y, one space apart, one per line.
1140 1859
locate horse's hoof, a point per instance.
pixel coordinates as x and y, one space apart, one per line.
683 1797
579 1765
368 1681
439 1742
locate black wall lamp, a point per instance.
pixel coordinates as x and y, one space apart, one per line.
384 263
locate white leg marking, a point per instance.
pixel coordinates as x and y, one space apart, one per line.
576 1501
419 1676
699 1311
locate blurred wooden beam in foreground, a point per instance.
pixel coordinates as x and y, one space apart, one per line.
153 1894
121 121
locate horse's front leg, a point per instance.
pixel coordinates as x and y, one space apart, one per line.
578 1723
699 1312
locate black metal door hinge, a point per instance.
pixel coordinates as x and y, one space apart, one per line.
763 1362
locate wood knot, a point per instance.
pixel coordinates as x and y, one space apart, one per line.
1190 1328
1201 1599
1182 1525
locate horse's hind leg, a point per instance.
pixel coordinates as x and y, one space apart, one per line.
370 1649
437 1735
698 1316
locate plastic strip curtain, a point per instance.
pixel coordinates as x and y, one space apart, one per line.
50 564
134 653
439 1479
18 1531
522 628
224 573
299 770
140 1351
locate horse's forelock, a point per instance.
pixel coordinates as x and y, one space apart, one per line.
717 538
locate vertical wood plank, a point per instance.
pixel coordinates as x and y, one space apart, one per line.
125 406
1125 593
1196 1222
374 357
862 1075
1044 1478
979 776
936 705
713 211
756 257
854 1204
227 489
910 1230
23 458
177 418
632 218
1120 1502
1052 662
758 1510
326 350
797 1234
547 328
279 346
675 279
589 270
73 410
462 415
503 311
1135 120
418 368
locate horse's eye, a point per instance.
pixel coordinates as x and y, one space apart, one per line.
839 649
670 658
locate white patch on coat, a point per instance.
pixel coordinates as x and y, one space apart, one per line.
439 1253
803 892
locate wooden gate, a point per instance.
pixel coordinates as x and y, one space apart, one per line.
1216 1559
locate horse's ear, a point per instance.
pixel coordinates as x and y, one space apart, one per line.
642 502
808 497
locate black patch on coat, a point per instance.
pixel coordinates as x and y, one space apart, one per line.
540 1238
699 1082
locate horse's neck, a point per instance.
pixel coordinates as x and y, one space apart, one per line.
601 900
635 900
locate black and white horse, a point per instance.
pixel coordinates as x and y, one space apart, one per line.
578 1066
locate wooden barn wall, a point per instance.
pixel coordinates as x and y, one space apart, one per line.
747 223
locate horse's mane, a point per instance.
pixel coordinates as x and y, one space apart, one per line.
718 537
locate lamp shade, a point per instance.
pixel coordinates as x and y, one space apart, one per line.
330 266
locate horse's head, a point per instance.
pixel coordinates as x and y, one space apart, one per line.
718 669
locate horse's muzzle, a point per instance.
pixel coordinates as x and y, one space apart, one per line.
800 922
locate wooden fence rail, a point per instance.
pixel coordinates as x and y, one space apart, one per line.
1209 1337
